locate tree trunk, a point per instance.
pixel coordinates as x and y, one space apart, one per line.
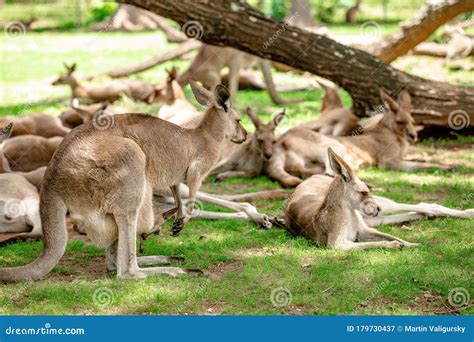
416 30
300 12
236 24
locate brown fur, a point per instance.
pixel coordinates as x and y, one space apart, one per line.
210 60
334 118
135 89
247 160
300 152
37 124
105 179
328 211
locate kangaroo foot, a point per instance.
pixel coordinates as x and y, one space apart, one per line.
158 260
177 226
278 222
172 271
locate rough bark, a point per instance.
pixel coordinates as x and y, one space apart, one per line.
416 30
236 24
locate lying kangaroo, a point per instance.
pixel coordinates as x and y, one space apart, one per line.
247 159
210 60
135 89
105 179
328 211
19 197
79 114
301 152
176 108
37 124
334 118
29 152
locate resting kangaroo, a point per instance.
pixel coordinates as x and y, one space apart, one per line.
78 114
176 108
301 152
247 159
37 124
135 89
105 179
210 60
328 211
334 119
29 152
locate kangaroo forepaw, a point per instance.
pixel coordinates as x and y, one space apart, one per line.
177 226
278 222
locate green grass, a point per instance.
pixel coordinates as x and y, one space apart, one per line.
245 263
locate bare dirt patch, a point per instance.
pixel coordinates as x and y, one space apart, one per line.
221 269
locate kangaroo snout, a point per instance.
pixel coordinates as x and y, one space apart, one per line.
370 207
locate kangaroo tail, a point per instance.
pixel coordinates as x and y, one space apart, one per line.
53 218
259 195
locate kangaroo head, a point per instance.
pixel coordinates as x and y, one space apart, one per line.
356 192
67 77
264 136
397 116
331 98
5 132
219 101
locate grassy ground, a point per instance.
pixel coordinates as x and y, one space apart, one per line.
245 264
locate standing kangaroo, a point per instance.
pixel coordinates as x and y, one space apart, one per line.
334 118
247 159
300 153
105 179
210 60
328 211
135 89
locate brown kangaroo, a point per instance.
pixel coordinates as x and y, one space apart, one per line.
37 124
29 152
135 89
210 60
334 118
300 153
247 159
176 108
105 179
328 211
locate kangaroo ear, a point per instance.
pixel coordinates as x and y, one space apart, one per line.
404 100
278 118
339 166
203 96
73 67
6 131
253 117
222 96
391 102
